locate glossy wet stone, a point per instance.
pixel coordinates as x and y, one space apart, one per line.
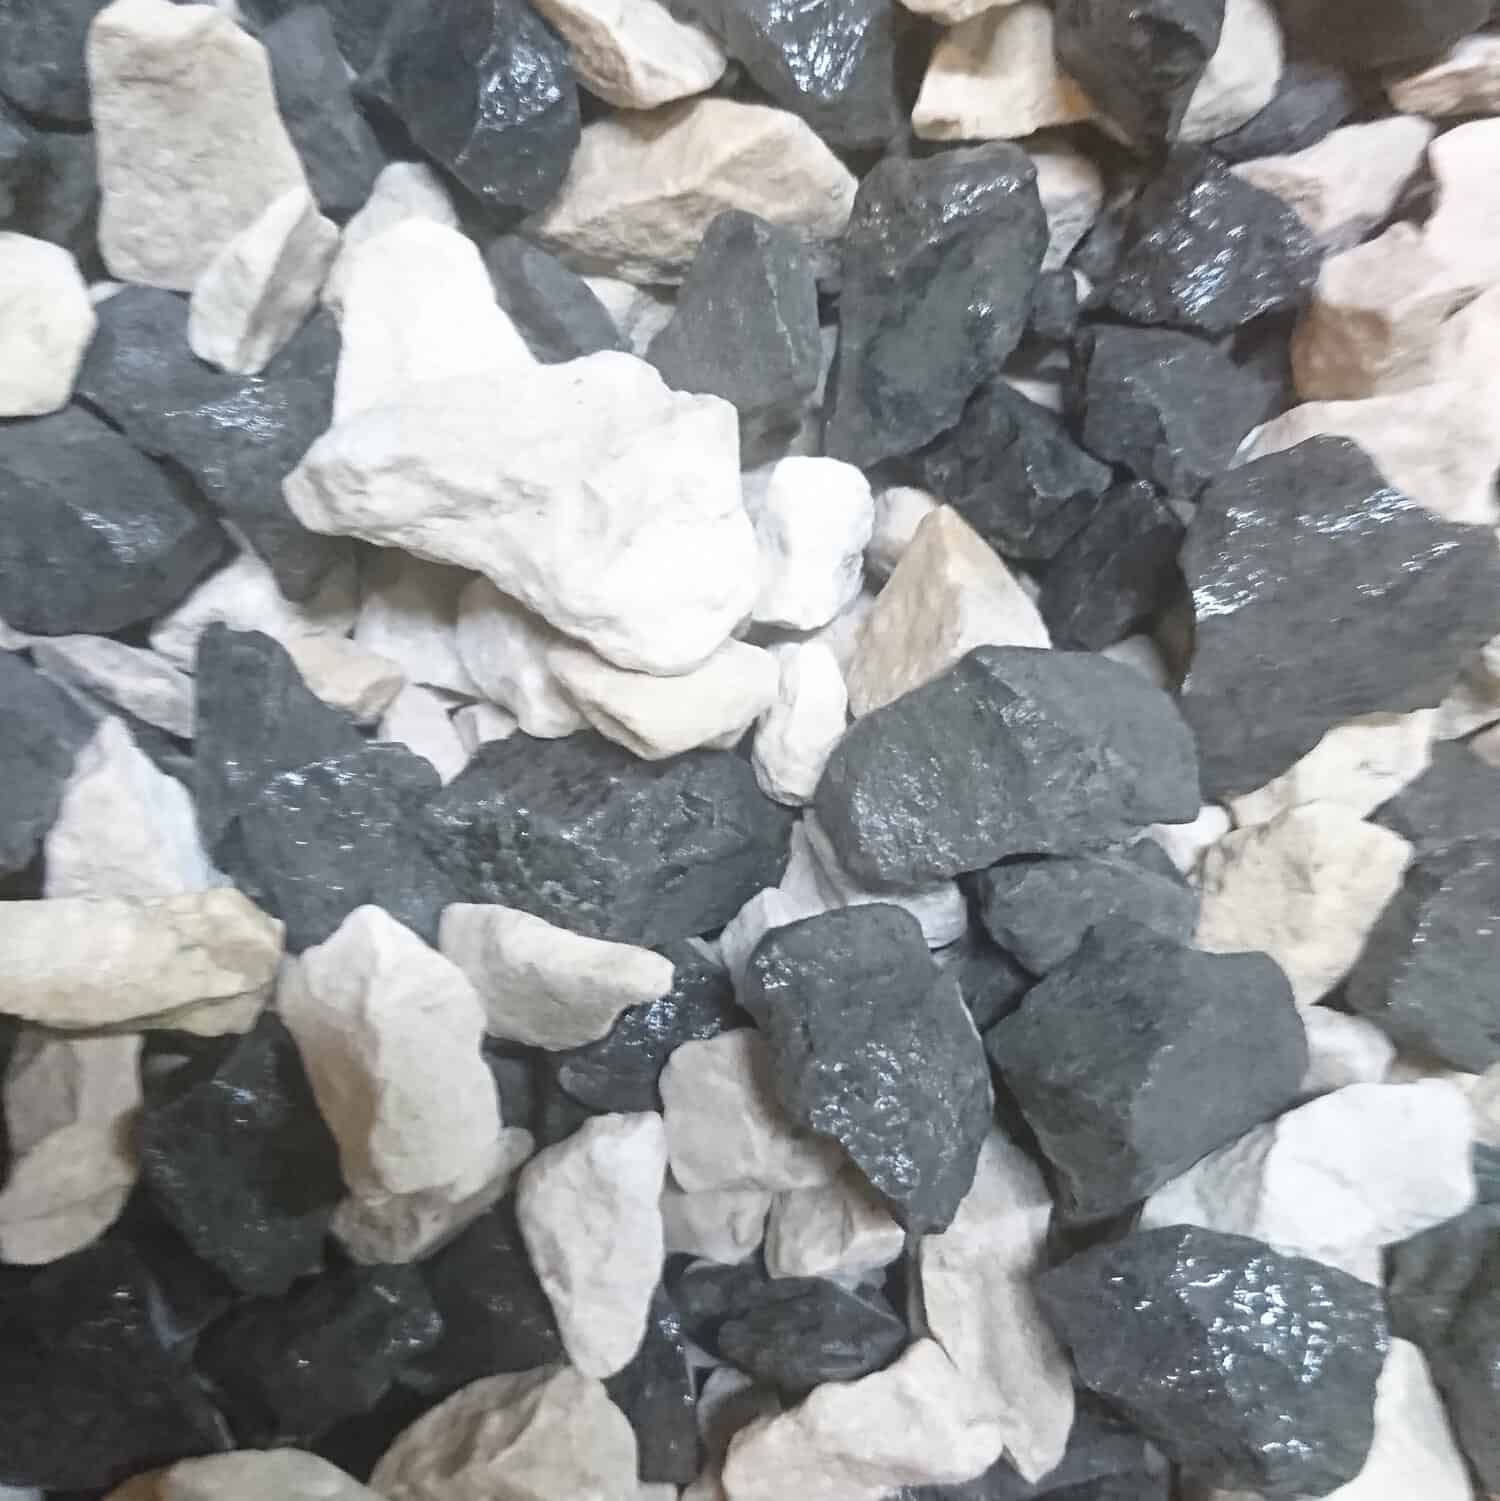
1129 1061
872 1046
1386 31
656 1392
1004 754
41 56
584 834
240 1162
1457 797
1250 1369
1321 592
1311 99
940 259
556 312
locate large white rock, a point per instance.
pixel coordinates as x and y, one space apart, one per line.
1241 77
1305 888
899 511
1336 1179
721 1224
46 322
590 1213
550 1434
347 675
600 499
191 148
797 734
977 1290
542 985
408 613
642 188
1343 1050
1072 193
724 1128
246 1475
127 677
1465 80
1465 221
837 1229
78 964
950 593
418 719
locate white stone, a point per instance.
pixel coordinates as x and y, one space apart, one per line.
640 313
46 322
996 77
724 1127
74 964
841 634
642 188
550 1434
950 593
254 294
542 985
418 306
478 724
1343 1050
635 53
246 1475
837 1229
590 1213
899 511
1305 888
1336 1179
125 677
1186 842
657 717
418 719
1464 226
124 828
408 612
1350 181
590 492
346 675
770 908
1465 80
803 881
798 732
1072 191
1241 77
721 1224
191 148
1141 654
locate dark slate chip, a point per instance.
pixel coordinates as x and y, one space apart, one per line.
1311 99
189 1293
1014 751
1428 1275
584 834
872 1046
939 262
1013 471
708 1293
1129 1061
556 1116
486 89
1321 592
1467 1367
554 309
989 980
1457 797
656 1392
1054 307
49 185
1381 32
41 56
1251 1369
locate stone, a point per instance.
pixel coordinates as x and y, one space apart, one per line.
995 77
1467 206
638 313
556 312
838 1230
1054 307
43 71
990 982
142 683
1246 1367
1451 801
774 907
637 56
1342 1050
1465 80
46 322
53 188
940 259
653 474
899 511
1143 1001
1310 99
590 1214
657 1392
1465 1367
1393 31
408 613
258 288
418 719
582 833
1366 556
478 724
1012 470
504 649
551 1432
898 1079
487 92
719 1224
797 733
1185 843
173 197
346 676
1072 192
246 1475
1305 888
1242 74
903 799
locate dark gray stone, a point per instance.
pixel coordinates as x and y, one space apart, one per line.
1251 1369
1468 1370
746 326
357 24
940 259
54 191
1139 63
1208 252
1321 592
584 834
872 1046
1457 797
1428 1275
1013 471
1381 32
556 1116
656 1392
16 155
708 1293
1311 99
1014 751
41 56
485 88
1129 1061
555 310
989 980
96 537
1054 307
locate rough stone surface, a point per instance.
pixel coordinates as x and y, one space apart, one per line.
418 718
1343 1050
1452 800
1241 77
1311 99
797 734
837 1230
1465 80
1169 1020
43 70
657 1392
1186 842
246 1475
1468 206
46 322
1072 191
899 511
142 683
557 313
346 676
719 1224
1466 1370
478 724
1392 31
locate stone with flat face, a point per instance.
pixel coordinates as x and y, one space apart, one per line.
656 1392
1388 31
1310 100
556 312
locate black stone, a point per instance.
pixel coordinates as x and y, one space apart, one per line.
1116 573
1129 1061
16 156
939 262
89 1391
872 1046
1457 797
357 24
1467 1368
620 1071
1054 307
41 56
1429 1274
49 186
584 834
706 1294
1013 471
339 150
1321 592
989 980
1098 253
485 88
96 537
1487 1173
1381 32
243 1166
1014 751
1139 63
746 326
655 1391
516 1080
555 310
1311 99
1207 251
1251 1369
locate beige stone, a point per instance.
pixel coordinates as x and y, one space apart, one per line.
1072 192
1241 77
1464 227
247 1475
797 734
347 675
478 724
721 1224
408 612
1465 80
418 719
838 1229
46 322
952 12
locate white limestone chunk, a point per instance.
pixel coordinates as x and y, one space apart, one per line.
720 1224
46 322
838 1229
798 733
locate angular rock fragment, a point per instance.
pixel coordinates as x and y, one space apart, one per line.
774 907
1241 77
796 735
556 312
52 192
836 1230
246 1475
418 719
1054 307
408 613
656 1392
478 724
989 980
1453 800
46 322
503 650
1072 192
1465 1368
42 48
346 676
142 683
1389 31
1465 80
1311 99
1343 1050
1463 218
719 1224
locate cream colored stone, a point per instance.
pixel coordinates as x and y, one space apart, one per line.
952 12
46 322
408 612
1241 77
724 1225
1464 226
838 1229
1186 842
247 1475
1343 1050
418 719
797 734
346 675
899 511
125 677
1465 80
478 724
1072 192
